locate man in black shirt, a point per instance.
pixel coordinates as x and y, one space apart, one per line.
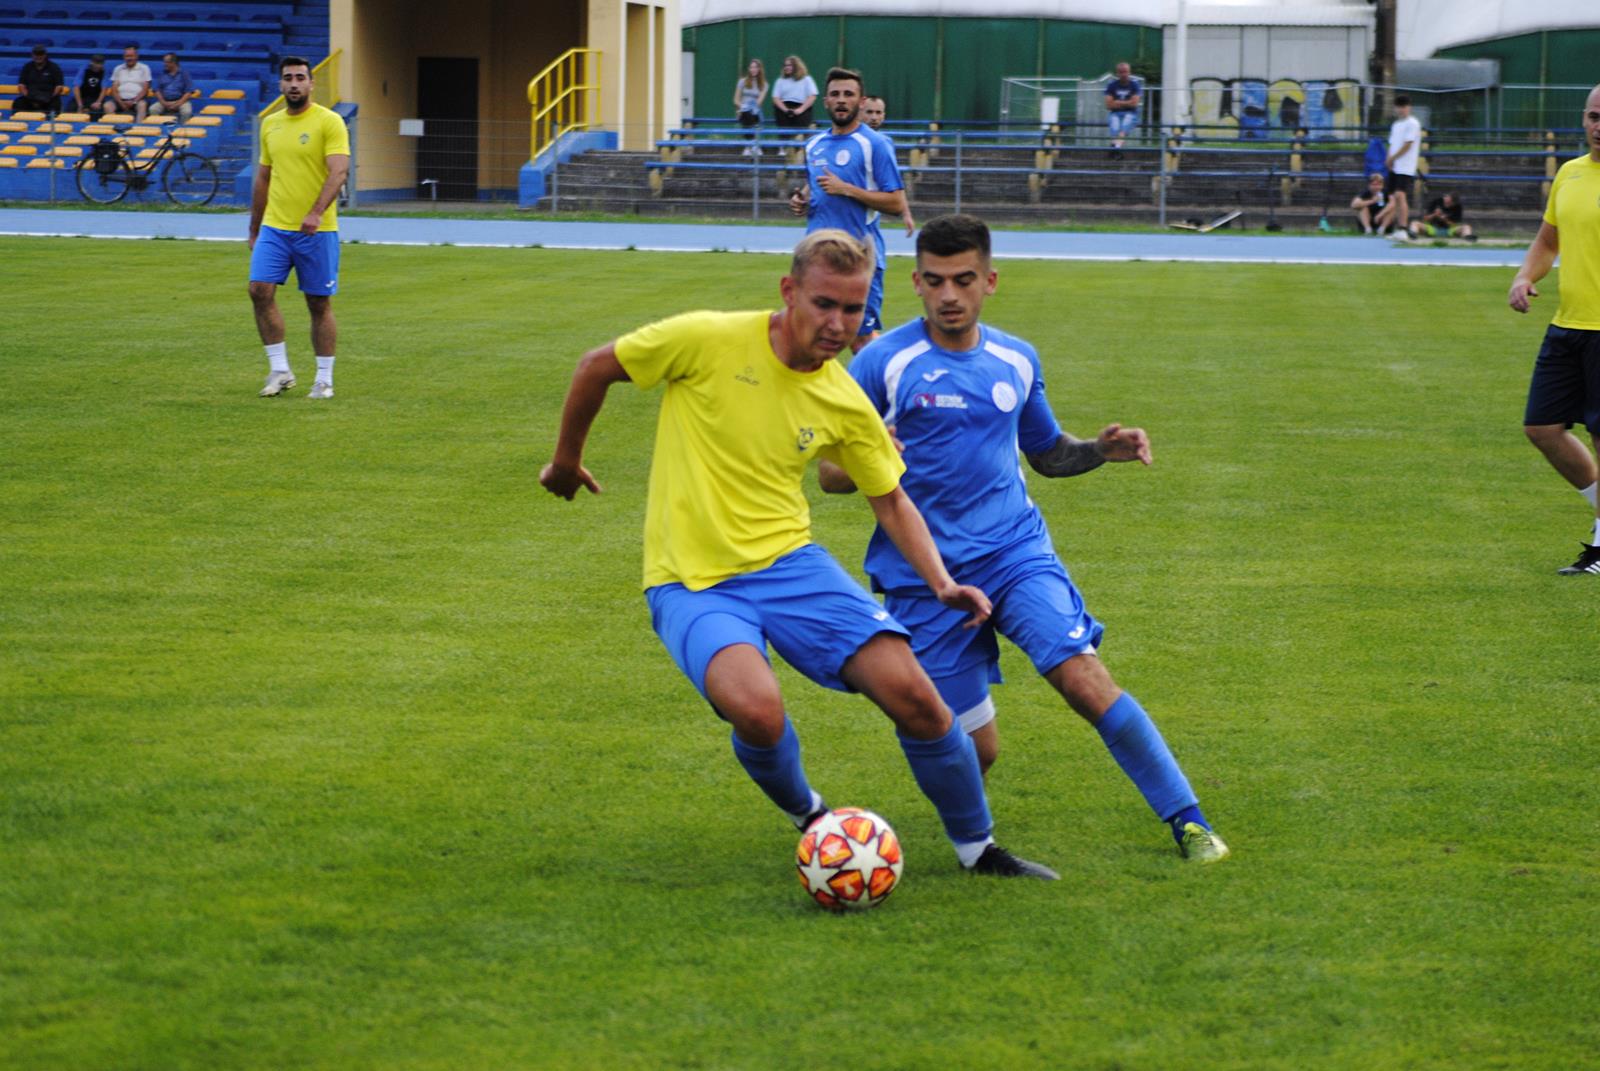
1443 219
91 87
38 83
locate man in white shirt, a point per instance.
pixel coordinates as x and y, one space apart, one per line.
130 85
1405 150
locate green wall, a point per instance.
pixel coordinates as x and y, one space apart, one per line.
924 68
1550 57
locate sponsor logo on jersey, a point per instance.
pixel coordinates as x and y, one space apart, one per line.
939 401
933 377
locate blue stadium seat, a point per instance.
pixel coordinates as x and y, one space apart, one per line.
223 16
50 13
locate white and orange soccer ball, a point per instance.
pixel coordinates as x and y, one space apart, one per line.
849 859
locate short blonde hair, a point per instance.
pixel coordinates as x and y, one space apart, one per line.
832 249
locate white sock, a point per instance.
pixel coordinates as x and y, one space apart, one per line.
1596 541
325 370
1592 495
969 851
278 356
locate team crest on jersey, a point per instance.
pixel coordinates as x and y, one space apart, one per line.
803 440
748 376
842 157
1005 397
305 139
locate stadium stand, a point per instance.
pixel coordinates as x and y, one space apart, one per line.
229 48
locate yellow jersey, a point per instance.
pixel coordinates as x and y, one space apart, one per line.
297 148
1574 211
736 432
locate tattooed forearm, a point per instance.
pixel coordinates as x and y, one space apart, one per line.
1068 457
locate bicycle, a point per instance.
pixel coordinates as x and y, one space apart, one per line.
107 173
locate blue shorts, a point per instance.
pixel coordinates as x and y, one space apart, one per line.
873 320
1566 380
1036 607
808 608
1119 123
314 258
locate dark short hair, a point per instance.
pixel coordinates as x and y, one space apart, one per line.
285 62
97 58
1401 99
874 96
173 56
844 74
945 236
131 44
39 50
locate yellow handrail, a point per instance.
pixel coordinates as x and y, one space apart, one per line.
325 85
559 97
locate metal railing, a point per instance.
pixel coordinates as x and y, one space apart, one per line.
559 97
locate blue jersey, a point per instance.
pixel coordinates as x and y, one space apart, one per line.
1119 90
863 158
962 418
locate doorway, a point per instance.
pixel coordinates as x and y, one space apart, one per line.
447 152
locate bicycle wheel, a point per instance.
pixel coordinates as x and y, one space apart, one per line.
190 179
106 188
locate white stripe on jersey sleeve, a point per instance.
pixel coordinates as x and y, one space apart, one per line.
894 368
1016 360
866 163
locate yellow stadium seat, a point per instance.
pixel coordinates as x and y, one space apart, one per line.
35 139
189 131
132 143
158 119
67 150
145 154
16 128
73 117
145 131
82 139
20 150
205 120
116 117
181 143
98 128
220 94
5 105
218 109
8 161
56 127
8 88
27 117
4 138
45 161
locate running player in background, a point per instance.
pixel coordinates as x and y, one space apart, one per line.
751 398
963 397
852 177
294 223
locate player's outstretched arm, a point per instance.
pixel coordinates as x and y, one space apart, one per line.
902 522
1535 266
1072 456
594 375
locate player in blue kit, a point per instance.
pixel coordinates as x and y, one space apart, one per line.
963 398
852 178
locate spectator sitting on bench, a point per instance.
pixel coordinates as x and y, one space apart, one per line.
1370 203
130 85
173 90
1443 219
89 94
39 84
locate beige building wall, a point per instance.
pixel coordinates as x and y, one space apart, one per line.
513 40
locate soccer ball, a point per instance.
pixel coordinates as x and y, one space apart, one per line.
849 859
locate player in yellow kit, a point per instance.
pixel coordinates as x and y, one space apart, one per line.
751 400
1566 377
294 223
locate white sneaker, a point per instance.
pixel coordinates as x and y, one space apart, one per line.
277 383
321 389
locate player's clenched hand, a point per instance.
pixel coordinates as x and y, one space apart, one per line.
833 184
967 597
797 201
1521 291
564 481
310 224
1118 443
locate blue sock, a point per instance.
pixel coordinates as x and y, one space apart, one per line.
947 771
1188 814
1136 744
777 770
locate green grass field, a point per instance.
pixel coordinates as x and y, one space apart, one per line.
328 740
